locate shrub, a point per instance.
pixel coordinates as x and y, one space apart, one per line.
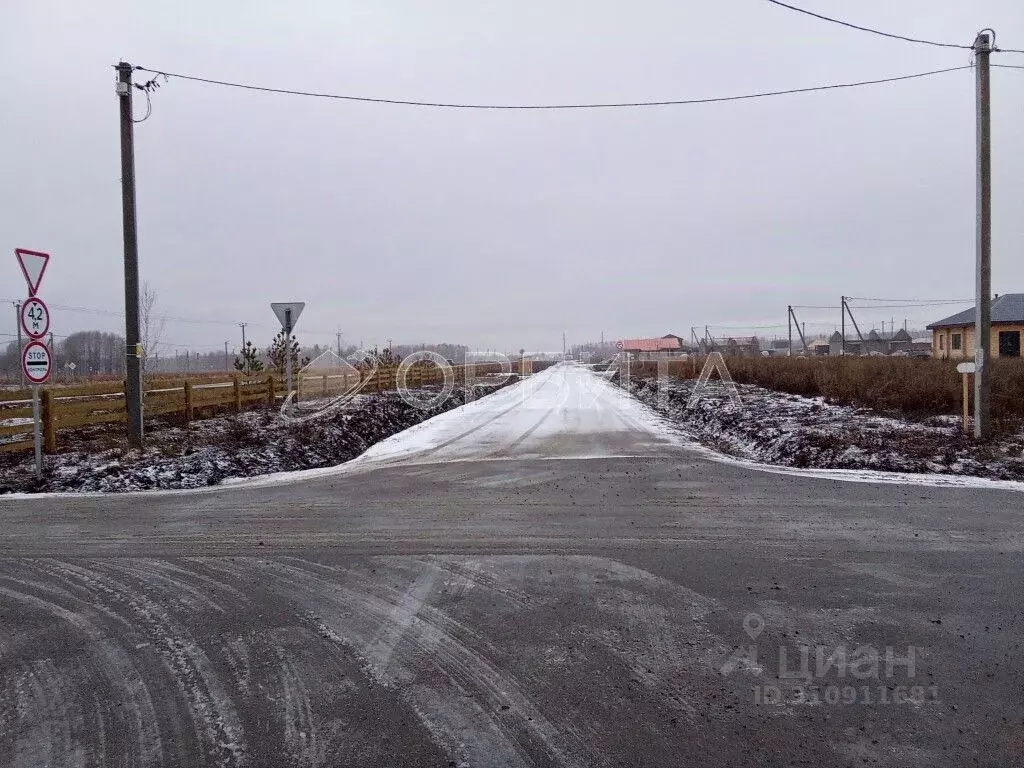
915 387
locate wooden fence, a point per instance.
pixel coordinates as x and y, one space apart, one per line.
199 397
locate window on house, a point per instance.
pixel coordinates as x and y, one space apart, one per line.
957 341
1009 343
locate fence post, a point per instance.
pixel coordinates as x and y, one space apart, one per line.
188 402
49 426
270 390
236 386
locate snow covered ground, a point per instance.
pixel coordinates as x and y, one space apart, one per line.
792 431
564 412
253 443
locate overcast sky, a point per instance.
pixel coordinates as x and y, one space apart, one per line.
502 229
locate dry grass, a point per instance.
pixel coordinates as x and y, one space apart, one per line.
914 387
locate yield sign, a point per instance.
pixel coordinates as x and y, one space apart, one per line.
288 313
33 264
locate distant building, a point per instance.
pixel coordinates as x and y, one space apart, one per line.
836 347
875 344
651 349
953 337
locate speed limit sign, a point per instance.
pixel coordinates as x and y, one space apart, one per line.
35 317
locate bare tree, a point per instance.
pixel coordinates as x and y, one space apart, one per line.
152 324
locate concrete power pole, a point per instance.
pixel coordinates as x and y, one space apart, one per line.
842 322
789 319
242 326
983 280
133 367
227 364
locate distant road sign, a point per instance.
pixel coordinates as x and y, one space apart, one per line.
35 317
284 309
37 362
33 265
965 368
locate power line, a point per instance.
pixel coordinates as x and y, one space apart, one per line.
454 105
1009 66
922 302
869 29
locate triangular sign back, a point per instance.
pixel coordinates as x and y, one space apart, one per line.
33 264
281 307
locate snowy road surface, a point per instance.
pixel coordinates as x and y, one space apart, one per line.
634 603
565 412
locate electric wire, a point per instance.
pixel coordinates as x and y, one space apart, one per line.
869 29
602 105
920 302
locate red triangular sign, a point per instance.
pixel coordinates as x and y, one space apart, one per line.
33 264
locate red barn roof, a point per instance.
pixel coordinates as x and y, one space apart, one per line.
648 345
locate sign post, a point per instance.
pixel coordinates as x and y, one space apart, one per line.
288 313
36 362
34 320
966 370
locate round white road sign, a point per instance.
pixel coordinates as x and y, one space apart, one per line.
37 362
35 317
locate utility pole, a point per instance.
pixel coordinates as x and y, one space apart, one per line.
227 365
133 367
842 312
563 345
242 326
338 335
789 319
17 323
983 280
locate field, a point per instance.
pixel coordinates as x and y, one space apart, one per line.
909 387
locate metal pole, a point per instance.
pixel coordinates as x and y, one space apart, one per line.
37 431
789 319
983 282
133 368
288 350
17 323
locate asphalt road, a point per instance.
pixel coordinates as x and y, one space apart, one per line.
552 580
